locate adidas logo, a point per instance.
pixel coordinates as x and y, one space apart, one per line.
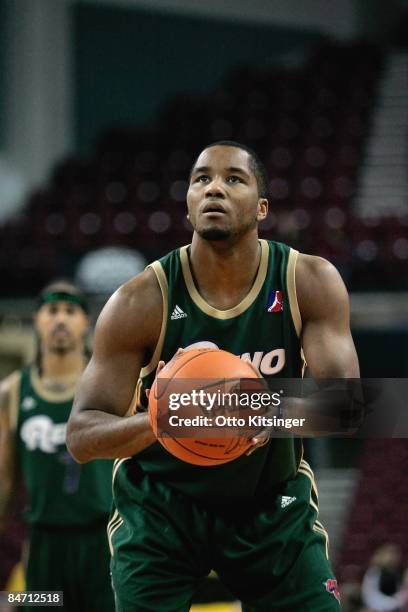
28 403
286 500
178 313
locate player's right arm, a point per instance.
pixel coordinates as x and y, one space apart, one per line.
8 469
126 333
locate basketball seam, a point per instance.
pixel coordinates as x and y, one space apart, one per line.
197 356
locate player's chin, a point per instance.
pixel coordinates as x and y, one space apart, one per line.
62 346
214 233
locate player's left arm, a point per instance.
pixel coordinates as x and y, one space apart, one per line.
327 345
328 348
325 312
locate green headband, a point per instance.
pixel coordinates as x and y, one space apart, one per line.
63 296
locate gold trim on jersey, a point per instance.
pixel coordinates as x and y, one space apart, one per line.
305 466
239 308
112 521
305 469
116 521
293 301
164 287
311 502
116 465
47 395
324 533
11 386
110 536
304 362
291 287
136 400
114 524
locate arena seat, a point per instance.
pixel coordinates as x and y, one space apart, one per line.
380 507
308 124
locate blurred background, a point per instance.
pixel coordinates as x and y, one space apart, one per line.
104 105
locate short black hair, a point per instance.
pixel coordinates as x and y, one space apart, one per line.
255 163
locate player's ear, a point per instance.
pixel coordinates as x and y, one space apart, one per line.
263 206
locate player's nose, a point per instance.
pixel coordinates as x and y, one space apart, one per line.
61 316
215 189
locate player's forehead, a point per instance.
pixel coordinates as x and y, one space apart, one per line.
223 157
56 305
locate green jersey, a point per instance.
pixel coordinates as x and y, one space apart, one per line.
264 329
60 491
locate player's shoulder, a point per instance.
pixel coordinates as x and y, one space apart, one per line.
8 387
11 381
312 270
141 292
133 311
318 284
314 266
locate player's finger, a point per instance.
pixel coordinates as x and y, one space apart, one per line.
259 440
255 369
160 366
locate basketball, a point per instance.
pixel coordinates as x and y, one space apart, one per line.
210 369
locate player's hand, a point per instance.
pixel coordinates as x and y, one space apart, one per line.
263 436
160 366
259 440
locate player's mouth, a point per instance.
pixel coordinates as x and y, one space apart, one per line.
60 331
213 209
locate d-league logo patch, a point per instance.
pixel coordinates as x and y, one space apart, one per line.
275 301
332 587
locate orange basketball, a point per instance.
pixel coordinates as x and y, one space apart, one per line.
198 371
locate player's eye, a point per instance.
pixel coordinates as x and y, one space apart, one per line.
202 178
234 179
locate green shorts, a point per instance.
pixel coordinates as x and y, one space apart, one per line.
72 560
273 557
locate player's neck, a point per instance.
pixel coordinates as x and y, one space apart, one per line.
224 272
62 367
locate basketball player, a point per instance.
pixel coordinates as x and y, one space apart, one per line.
253 520
68 504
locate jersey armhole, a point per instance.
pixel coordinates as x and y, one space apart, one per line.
162 280
291 288
293 301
